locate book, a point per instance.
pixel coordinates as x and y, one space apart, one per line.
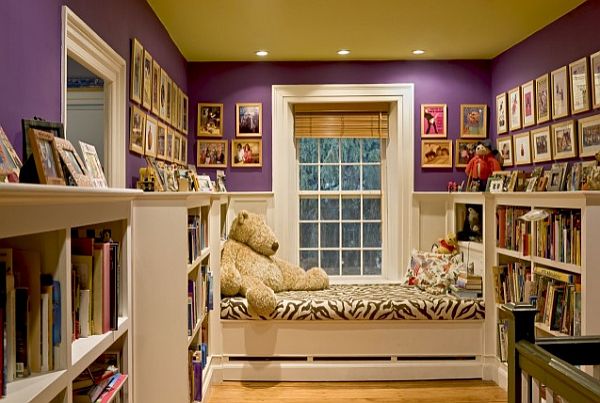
554 274
9 337
113 387
84 313
47 282
101 301
114 284
22 352
44 324
3 353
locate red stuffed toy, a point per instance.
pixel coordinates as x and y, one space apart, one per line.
482 164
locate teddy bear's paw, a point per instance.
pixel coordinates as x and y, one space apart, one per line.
262 300
316 279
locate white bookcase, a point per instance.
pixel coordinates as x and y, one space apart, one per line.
41 218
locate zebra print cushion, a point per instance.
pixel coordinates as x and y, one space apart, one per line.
361 302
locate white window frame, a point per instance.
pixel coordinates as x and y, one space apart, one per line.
397 168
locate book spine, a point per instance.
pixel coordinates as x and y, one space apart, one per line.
21 330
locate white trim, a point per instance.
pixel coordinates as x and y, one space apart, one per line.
398 168
82 44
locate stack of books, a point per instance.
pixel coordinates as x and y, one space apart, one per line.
467 286
101 381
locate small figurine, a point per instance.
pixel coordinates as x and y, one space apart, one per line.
482 165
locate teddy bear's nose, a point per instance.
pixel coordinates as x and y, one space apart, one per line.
275 246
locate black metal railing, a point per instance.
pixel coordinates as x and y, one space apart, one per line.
547 361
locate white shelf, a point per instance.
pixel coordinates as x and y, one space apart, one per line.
194 332
86 349
512 253
203 255
36 388
558 265
122 327
545 329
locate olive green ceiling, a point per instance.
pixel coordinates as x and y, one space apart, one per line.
232 30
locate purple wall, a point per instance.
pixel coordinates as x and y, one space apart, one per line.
30 47
450 82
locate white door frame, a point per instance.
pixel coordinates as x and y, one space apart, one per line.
83 45
398 170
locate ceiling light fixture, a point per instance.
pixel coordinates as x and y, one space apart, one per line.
418 52
343 52
261 53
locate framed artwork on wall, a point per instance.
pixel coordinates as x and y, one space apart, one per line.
514 111
9 159
211 153
246 153
184 150
465 150
522 148
434 120
45 154
173 97
542 98
155 88
578 83
589 136
184 112
560 93
151 137
595 69
137 59
161 143
176 148
137 130
248 120
162 94
169 94
169 145
210 120
501 122
473 121
74 165
436 154
504 145
564 144
541 144
528 104
147 81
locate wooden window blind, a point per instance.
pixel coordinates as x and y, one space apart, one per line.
362 120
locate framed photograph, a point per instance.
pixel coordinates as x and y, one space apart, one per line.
155 88
542 98
578 80
465 150
73 164
436 154
247 153
184 150
501 122
528 104
589 136
496 184
586 170
161 144
178 108
560 93
173 100
93 165
211 153
564 143
47 161
434 119
522 148
514 112
169 94
176 148
151 137
147 81
184 112
204 183
10 163
505 148
542 183
530 184
558 174
137 60
220 182
56 128
210 120
162 93
541 144
595 68
473 121
137 130
248 120
169 144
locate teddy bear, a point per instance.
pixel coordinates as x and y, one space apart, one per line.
481 166
447 245
249 267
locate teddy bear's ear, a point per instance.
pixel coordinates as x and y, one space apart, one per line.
242 216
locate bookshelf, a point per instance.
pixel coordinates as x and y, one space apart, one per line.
38 223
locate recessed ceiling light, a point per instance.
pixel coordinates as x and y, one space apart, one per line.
418 52
262 53
343 52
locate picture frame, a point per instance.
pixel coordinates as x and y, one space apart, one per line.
528 110
220 181
586 169
178 108
554 183
246 153
72 163
578 84
162 92
176 148
562 168
137 56
161 141
147 81
564 144
169 94
560 93
210 120
56 128
514 111
185 113
211 153
543 99
184 150
501 121
505 148
45 154
465 151
93 165
155 88
589 135
436 154
595 74
522 148
204 183
150 137
137 130
542 183
434 118
496 184
173 101
511 185
169 145
541 145
248 120
530 184
10 163
473 121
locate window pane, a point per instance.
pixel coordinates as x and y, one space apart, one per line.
372 235
330 150
371 177
308 209
350 177
350 150
372 262
350 209
330 208
351 235
372 209
330 178
350 262
308 150
330 262
308 177
308 235
309 259
371 150
330 235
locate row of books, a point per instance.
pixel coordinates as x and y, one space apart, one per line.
197 361
559 236
512 233
197 236
199 298
467 286
101 381
512 283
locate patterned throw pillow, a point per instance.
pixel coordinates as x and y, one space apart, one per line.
433 272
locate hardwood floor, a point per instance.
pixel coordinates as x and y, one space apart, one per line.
471 391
